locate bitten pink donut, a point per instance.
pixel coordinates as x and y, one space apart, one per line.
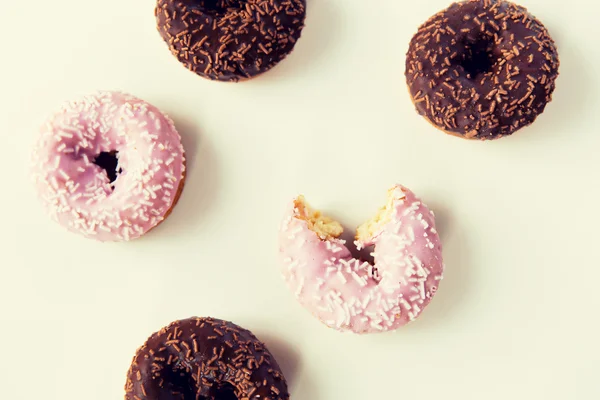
109 166
348 294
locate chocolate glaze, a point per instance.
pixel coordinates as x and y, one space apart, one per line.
482 69
204 359
229 40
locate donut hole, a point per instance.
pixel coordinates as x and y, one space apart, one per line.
478 57
219 7
179 384
109 162
224 391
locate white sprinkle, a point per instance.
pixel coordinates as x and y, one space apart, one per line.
411 234
63 174
362 282
300 287
406 304
414 297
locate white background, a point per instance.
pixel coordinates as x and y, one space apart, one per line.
516 316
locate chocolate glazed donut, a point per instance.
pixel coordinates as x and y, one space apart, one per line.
482 69
230 40
204 359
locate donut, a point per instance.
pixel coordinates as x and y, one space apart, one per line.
481 69
204 359
354 295
230 40
109 166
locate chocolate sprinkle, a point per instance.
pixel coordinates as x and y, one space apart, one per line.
482 69
230 40
204 359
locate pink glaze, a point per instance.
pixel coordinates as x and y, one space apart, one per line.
77 193
351 295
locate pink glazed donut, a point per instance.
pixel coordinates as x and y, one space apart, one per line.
109 166
348 294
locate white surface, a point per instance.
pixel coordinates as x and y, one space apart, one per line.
516 316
